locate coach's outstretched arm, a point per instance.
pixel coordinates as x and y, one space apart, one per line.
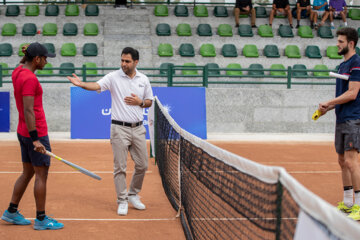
91 86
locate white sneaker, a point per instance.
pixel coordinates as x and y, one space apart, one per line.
122 209
135 201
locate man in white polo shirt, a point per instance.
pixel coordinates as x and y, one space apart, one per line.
130 93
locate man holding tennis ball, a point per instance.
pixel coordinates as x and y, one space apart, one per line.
347 109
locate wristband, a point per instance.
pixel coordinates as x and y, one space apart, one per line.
34 135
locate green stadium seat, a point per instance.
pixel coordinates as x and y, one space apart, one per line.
200 11
299 74
357 49
213 69
277 67
4 65
163 29
46 70
313 52
260 12
250 50
358 32
265 31
70 29
181 11
225 30
292 51
220 11
161 11
91 71
29 29
183 29
90 50
204 29
256 70
285 31
229 50
50 47
164 68
332 52
68 49
271 51
354 13
72 10
186 50
91 29
245 30
92 10
12 11
325 32
67 69
50 29
233 72
165 50
20 53
305 32
9 29
32 10
6 50
189 71
207 50
52 10
321 67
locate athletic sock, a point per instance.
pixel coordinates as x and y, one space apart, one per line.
332 23
40 215
348 196
13 208
345 23
357 197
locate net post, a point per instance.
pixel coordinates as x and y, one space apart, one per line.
205 75
289 73
179 179
279 191
170 75
155 126
1 75
84 72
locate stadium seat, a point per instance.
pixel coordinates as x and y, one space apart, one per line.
181 11
164 68
271 51
261 12
225 30
68 49
9 29
50 47
207 50
332 52
256 70
189 71
6 50
29 29
32 10
229 50
285 31
91 29
92 10
72 10
265 31
186 50
49 29
52 10
165 50
325 32
299 74
354 13
321 67
245 30
91 71
204 29
4 65
67 69
220 11
358 32
183 29
90 49
12 10
250 50
20 53
277 67
213 69
305 32
233 72
292 51
46 70
70 29
313 52
161 11
163 29
200 11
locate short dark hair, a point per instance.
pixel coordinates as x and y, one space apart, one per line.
350 33
133 52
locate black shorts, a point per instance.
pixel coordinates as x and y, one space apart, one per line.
29 155
347 136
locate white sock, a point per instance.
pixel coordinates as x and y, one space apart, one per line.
348 197
332 23
345 23
357 198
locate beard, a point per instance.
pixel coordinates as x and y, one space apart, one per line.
344 51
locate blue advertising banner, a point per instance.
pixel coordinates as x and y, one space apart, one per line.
4 111
91 111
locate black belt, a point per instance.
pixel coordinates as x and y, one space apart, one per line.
126 124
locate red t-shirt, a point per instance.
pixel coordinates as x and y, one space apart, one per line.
26 84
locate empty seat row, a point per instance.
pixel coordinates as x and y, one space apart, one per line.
49 29
52 10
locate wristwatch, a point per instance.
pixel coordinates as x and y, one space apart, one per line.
142 104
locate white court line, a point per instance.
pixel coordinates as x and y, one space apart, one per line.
114 219
239 219
305 163
311 172
70 172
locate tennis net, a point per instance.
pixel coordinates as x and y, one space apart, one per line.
220 195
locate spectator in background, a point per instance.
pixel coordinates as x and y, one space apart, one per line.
244 7
303 9
320 9
337 8
280 7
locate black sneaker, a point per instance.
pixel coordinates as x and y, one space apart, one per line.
298 25
291 26
254 26
236 25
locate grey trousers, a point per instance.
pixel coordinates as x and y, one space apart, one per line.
124 139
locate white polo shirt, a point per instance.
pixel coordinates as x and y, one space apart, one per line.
120 86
